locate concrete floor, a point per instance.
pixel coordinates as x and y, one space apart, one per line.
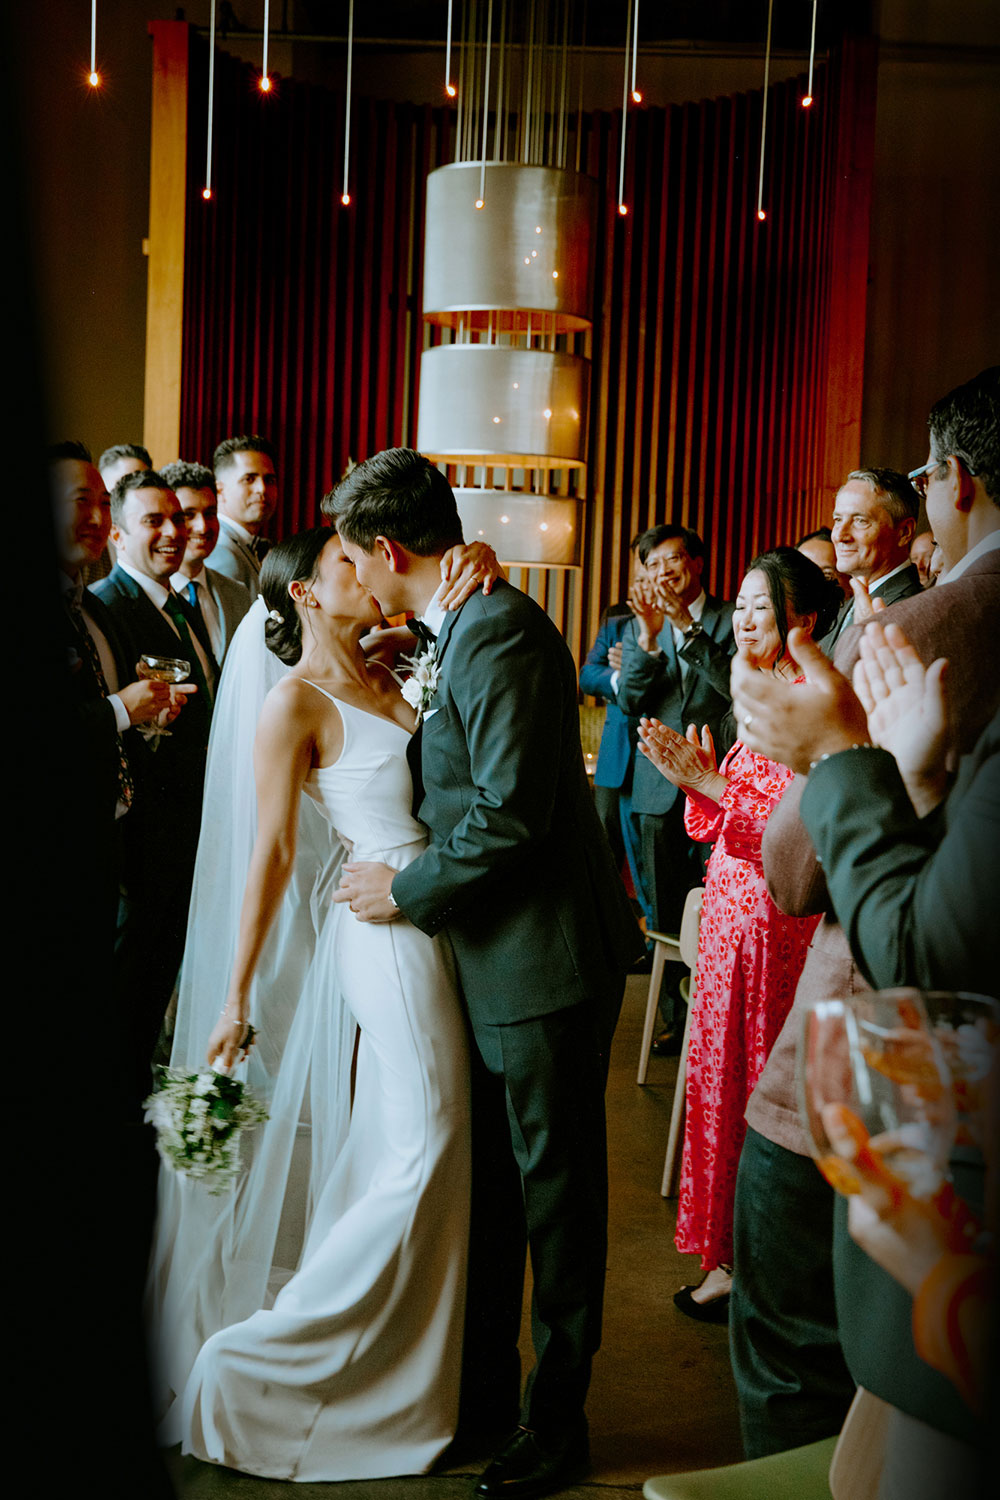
662 1397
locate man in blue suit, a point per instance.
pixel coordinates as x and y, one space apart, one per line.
599 677
675 667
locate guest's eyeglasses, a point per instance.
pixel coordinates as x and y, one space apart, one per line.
921 478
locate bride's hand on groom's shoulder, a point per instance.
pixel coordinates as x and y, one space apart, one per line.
366 888
464 568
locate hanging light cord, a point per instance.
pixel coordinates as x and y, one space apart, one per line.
621 166
207 193
635 49
345 196
486 105
448 86
812 58
763 117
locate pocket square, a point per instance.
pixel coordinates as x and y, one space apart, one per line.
429 714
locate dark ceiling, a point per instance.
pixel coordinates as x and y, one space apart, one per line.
733 22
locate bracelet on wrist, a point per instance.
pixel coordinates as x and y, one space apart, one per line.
866 745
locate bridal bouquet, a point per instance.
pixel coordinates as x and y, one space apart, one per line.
198 1119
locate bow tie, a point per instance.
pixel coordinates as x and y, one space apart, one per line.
422 632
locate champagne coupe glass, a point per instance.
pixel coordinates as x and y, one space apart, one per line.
162 669
967 1028
878 1055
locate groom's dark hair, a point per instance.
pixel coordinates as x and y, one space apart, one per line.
397 494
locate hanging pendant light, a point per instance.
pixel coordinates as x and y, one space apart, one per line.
509 280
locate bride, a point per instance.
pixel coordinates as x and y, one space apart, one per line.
308 1325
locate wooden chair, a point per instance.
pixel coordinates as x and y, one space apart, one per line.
841 1468
681 949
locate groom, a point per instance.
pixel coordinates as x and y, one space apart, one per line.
519 874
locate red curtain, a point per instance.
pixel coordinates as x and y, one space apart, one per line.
728 353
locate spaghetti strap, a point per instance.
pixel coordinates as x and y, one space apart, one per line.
320 690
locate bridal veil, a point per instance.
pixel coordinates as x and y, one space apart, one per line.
218 1259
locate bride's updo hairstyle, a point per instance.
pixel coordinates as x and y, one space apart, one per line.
294 560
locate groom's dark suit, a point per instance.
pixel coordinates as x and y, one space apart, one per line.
520 876
160 834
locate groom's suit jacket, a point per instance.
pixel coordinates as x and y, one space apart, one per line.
519 870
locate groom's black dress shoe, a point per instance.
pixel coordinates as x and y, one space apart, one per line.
529 1465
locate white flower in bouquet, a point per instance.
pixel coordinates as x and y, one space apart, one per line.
198 1119
420 687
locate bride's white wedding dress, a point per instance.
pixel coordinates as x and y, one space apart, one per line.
346 1367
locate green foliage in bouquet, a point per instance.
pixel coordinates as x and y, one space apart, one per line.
198 1119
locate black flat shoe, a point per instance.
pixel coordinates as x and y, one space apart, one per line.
668 1044
529 1466
715 1310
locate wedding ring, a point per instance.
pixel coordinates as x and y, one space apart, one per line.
747 720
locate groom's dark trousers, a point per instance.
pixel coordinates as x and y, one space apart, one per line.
520 876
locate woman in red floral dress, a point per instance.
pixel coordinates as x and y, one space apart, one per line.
750 955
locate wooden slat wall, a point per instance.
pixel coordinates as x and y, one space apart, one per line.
727 355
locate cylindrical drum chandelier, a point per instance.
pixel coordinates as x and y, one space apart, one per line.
509 281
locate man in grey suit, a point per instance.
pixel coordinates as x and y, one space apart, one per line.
874 518
221 601
247 485
675 667
520 876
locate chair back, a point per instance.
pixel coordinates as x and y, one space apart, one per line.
690 922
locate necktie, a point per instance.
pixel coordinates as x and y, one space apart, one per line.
175 609
260 547
126 786
192 593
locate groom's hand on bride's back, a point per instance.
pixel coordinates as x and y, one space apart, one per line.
366 888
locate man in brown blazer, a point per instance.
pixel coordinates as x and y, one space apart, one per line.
792 1381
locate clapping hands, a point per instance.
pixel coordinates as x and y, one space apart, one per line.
907 708
689 761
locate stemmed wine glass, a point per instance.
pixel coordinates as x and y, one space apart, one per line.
878 1055
161 669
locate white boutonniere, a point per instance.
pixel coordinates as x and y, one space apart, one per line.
420 687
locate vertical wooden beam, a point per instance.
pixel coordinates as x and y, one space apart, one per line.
165 245
850 226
